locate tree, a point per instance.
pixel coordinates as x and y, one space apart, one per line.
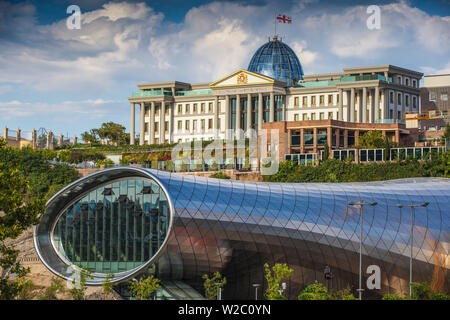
90 137
112 131
372 140
213 284
51 292
79 285
315 291
26 289
144 288
392 297
274 277
107 285
446 136
18 211
326 151
420 291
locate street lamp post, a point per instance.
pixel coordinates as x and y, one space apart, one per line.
360 205
412 206
219 295
256 286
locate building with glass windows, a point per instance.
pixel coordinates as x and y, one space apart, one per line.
272 89
128 220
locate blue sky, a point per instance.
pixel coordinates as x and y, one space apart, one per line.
69 81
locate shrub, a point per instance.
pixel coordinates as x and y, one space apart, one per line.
392 297
219 175
439 296
315 291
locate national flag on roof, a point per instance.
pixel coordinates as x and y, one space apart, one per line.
283 18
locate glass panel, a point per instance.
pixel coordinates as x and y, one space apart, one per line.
114 228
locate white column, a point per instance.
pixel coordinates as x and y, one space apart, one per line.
142 124
162 122
227 117
238 116
364 105
395 105
272 108
152 123
260 110
249 112
341 103
216 117
403 105
352 105
132 124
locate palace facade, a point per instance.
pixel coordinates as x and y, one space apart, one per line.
273 89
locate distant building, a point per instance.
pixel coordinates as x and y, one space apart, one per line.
435 92
17 141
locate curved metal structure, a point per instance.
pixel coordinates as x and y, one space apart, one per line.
235 227
277 60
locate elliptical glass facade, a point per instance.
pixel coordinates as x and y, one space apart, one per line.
234 227
114 228
277 60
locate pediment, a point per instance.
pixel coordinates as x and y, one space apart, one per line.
242 78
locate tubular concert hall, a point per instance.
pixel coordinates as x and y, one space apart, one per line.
274 89
128 220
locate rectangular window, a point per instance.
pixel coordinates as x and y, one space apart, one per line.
194 108
305 116
321 116
194 125
399 98
187 108
444 97
296 117
391 97
166 126
156 127
313 100
187 125
296 101
330 115
432 96
330 99
313 116
414 102
180 125
202 124
218 106
407 101
180 108
210 107
218 123
166 111
210 123
322 100
202 108
305 101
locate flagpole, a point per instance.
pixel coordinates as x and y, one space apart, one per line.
275 27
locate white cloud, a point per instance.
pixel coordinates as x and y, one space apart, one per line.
121 44
308 58
433 71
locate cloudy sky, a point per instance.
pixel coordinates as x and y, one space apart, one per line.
69 81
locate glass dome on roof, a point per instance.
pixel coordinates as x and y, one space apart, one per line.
277 60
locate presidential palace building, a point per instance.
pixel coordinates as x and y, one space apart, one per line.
274 89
